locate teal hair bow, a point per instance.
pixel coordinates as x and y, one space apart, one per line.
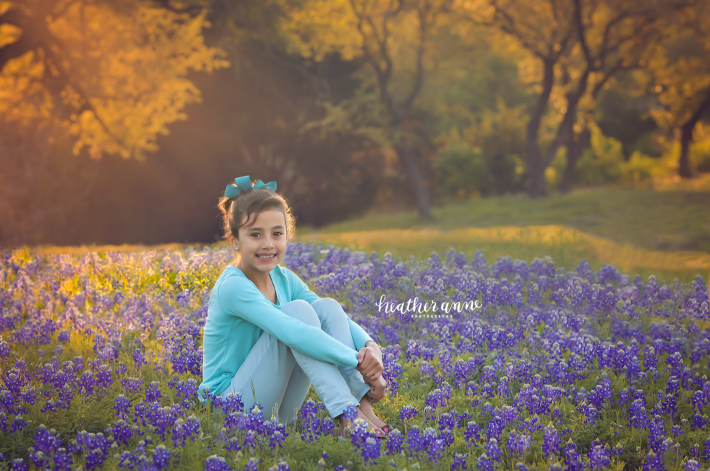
244 184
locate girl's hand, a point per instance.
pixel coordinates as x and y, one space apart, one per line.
370 362
377 390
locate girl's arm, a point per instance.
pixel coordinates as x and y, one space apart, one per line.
301 291
239 297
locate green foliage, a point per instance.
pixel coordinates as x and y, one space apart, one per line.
621 115
463 169
487 157
604 163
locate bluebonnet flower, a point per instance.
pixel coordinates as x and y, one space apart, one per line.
434 444
152 393
493 450
472 433
252 464
184 429
161 457
692 465
18 424
598 456
18 464
138 357
699 421
394 442
131 384
350 412
426 368
122 431
459 462
276 432
518 443
573 458
551 441
415 441
407 412
216 463
484 463
47 445
62 460
94 447
360 433
122 405
371 449
447 421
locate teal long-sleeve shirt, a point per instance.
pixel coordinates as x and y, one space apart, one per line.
238 313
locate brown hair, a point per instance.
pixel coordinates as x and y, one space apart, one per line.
250 202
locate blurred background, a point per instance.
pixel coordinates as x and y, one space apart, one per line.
121 121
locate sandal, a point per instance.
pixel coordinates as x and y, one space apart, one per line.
379 433
387 428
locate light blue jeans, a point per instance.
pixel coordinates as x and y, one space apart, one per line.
282 377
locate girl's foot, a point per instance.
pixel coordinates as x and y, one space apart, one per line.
366 408
347 424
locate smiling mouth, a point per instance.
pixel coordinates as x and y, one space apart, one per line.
269 257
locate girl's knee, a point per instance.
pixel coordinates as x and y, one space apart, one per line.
301 310
327 307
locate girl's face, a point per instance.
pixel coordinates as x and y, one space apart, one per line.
265 237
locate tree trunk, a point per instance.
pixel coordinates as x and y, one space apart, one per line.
575 146
536 169
409 163
35 187
686 136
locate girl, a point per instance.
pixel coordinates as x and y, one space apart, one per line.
268 337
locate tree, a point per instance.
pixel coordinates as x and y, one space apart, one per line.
579 46
381 33
545 30
613 37
111 74
681 70
93 76
27 198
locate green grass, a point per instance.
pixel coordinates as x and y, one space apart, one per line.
641 231
656 220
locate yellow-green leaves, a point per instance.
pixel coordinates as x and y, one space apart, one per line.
112 78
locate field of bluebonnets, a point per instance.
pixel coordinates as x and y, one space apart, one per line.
560 369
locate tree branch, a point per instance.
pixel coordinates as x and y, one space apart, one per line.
65 79
419 77
190 10
320 86
577 15
64 8
702 108
16 49
382 78
14 16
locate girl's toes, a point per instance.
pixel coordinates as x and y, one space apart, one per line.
387 428
379 433
378 423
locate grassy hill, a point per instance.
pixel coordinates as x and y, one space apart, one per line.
663 231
